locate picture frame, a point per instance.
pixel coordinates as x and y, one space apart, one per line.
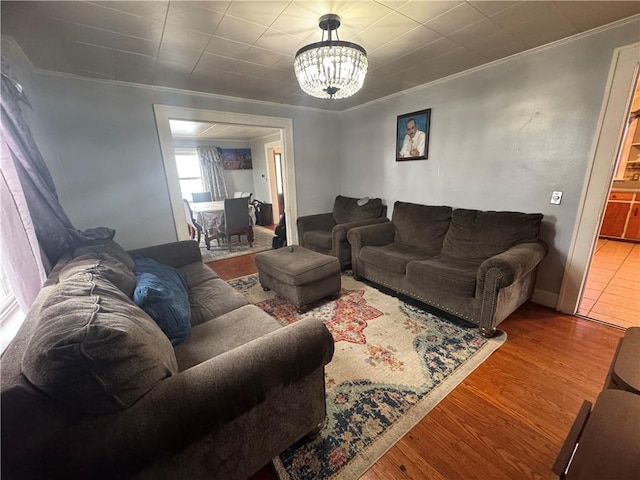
414 147
236 158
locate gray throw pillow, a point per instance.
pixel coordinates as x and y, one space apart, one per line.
95 350
101 265
105 246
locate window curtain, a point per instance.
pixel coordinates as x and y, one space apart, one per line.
35 231
212 172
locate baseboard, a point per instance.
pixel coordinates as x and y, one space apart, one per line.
542 297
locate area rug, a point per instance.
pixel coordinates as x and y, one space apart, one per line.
262 241
393 363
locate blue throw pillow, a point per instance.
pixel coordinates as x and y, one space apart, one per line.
162 292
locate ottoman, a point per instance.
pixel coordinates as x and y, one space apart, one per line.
299 274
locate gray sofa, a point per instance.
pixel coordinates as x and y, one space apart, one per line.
327 232
478 266
92 388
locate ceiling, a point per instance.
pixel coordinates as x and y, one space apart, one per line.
246 48
186 129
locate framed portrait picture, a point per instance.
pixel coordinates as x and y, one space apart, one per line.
412 136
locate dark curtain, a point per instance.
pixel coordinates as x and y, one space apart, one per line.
34 225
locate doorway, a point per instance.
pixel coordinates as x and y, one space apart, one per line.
598 182
164 113
612 286
276 179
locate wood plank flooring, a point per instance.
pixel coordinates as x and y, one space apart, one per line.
509 418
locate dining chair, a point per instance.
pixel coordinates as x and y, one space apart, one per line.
237 220
192 225
198 197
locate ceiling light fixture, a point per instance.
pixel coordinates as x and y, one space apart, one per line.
331 68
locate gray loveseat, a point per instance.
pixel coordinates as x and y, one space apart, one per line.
327 232
478 266
92 388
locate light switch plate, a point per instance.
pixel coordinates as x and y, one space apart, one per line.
556 198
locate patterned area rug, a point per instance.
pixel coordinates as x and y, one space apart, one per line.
393 363
262 241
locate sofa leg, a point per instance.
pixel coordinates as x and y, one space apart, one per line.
266 289
357 277
315 431
487 333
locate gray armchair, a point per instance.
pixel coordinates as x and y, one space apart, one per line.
327 232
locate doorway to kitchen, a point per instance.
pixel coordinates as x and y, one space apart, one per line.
611 292
612 125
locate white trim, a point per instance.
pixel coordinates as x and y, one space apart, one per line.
162 115
615 106
543 297
268 146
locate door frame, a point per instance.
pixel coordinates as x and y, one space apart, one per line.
271 180
615 105
165 112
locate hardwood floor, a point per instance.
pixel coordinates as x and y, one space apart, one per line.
508 419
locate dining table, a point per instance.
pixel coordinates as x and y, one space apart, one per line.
210 216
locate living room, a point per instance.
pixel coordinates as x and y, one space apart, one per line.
503 136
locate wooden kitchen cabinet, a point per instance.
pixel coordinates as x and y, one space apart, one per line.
633 224
622 216
615 219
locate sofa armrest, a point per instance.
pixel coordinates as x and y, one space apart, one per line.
319 221
507 267
371 235
176 254
339 232
184 407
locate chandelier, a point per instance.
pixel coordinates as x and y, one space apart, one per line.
331 68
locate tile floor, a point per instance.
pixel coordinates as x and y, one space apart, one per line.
612 291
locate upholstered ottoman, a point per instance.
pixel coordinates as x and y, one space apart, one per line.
303 276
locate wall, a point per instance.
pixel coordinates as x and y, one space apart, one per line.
260 182
502 138
235 180
100 142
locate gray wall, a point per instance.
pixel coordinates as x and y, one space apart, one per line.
100 142
502 138
261 184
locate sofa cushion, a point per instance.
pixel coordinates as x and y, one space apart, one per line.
422 227
347 210
230 330
106 246
161 291
104 265
94 349
212 299
197 273
392 257
445 273
481 235
319 239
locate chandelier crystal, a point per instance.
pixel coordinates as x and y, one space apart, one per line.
331 68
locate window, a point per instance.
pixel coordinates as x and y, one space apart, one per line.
11 316
188 171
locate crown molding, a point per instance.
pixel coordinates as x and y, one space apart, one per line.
72 76
532 51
